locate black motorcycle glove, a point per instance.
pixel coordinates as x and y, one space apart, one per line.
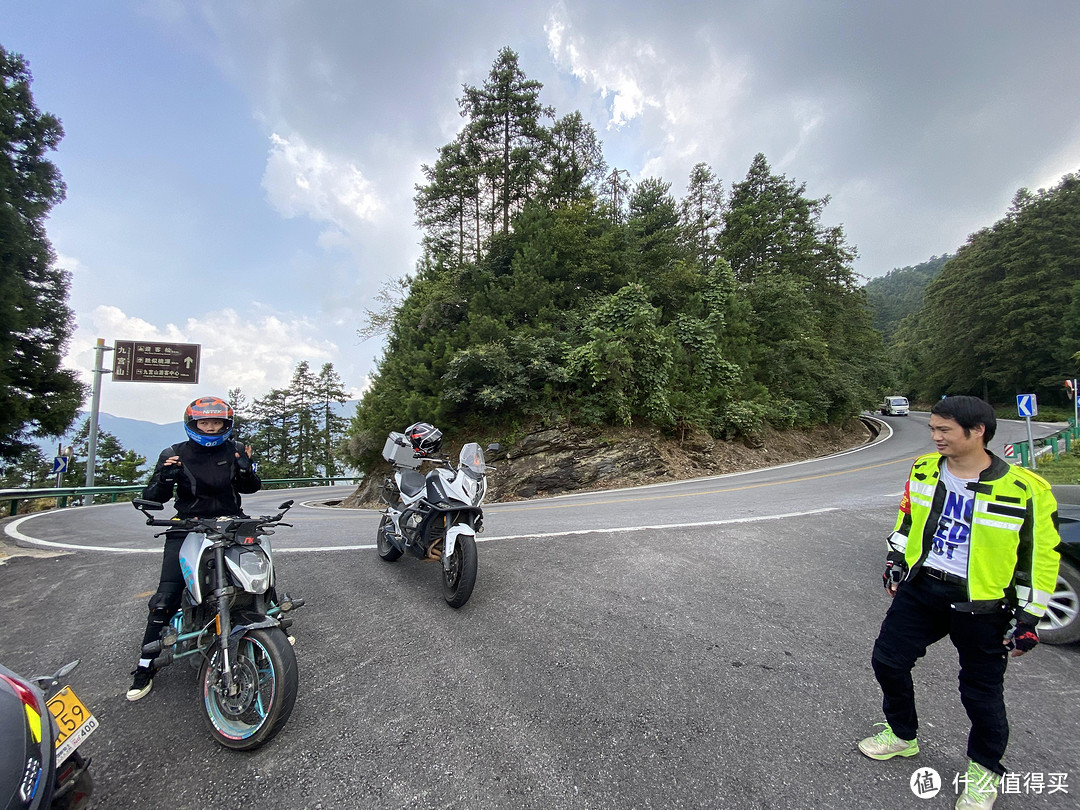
1022 637
895 570
170 474
244 465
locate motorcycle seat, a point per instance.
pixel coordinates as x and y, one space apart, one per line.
412 483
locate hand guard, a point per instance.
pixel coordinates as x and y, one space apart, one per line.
895 571
1021 637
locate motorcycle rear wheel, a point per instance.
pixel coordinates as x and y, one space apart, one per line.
459 577
387 550
265 671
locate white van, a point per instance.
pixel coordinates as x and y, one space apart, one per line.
894 406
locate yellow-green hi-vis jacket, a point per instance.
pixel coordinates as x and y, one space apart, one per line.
1012 552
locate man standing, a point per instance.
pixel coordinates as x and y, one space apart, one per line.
974 557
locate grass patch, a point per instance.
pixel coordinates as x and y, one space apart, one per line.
1064 470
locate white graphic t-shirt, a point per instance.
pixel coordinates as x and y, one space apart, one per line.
950 549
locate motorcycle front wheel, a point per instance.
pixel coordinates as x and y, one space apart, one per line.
387 550
265 684
459 576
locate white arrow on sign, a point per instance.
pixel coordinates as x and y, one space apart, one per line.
188 361
1027 405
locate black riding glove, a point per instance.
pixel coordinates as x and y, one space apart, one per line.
170 474
895 570
1022 636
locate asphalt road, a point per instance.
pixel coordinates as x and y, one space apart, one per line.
704 644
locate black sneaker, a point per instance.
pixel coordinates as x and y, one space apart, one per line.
140 686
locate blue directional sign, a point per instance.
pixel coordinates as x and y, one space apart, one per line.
1027 405
60 464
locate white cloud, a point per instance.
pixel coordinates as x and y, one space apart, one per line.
301 180
617 74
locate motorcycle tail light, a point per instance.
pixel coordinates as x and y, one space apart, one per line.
31 706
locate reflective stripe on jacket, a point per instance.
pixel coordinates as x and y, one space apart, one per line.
1012 551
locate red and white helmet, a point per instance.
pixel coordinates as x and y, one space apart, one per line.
208 408
426 439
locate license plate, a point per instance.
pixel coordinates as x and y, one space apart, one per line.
73 720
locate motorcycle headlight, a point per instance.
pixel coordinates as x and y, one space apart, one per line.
252 568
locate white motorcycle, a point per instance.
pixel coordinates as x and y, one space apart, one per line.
435 516
232 625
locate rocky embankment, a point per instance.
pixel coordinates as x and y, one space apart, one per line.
556 461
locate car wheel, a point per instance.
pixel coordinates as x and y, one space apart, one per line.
1061 625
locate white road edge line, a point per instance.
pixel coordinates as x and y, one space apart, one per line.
14 532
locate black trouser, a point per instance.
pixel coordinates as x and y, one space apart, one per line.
170 589
920 614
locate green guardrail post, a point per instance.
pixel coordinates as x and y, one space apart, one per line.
1024 452
1067 435
1052 441
14 507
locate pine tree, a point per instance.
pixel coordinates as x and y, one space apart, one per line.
505 122
37 396
329 390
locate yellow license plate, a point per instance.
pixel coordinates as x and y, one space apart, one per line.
74 722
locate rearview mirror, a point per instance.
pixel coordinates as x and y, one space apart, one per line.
494 447
286 505
150 506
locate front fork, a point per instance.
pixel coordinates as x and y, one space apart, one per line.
223 595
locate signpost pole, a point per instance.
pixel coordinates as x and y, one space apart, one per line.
1027 405
95 403
1076 410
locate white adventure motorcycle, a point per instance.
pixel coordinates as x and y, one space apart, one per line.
435 516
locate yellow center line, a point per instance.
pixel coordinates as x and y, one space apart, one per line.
707 491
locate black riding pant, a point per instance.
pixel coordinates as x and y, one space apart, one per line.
920 615
166 601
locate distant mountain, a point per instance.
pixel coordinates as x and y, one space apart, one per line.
147 439
899 293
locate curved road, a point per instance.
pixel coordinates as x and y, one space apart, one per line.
697 644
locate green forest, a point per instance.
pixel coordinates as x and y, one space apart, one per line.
1001 317
551 290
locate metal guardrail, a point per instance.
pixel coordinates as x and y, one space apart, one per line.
62 494
1065 436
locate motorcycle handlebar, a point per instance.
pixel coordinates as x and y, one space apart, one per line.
195 523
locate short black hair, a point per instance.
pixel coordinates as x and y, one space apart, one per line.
968 412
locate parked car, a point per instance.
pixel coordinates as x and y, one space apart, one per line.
1062 622
894 406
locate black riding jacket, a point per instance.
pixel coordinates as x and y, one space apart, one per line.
210 480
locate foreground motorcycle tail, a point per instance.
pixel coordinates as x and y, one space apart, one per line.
41 726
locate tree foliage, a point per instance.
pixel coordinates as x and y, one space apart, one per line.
37 397
296 431
553 289
1001 318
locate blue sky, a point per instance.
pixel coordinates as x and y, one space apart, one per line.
240 173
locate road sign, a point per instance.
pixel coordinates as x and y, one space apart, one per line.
60 464
1027 405
143 361
1010 451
